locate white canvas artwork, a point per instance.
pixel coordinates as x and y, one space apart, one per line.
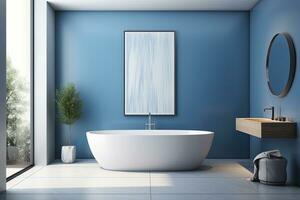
150 73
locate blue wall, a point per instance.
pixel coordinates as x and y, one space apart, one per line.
212 66
268 18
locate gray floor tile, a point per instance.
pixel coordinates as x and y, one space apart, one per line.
267 189
83 185
225 197
85 172
203 185
85 180
228 170
73 197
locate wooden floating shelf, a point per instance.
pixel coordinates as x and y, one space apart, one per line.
266 128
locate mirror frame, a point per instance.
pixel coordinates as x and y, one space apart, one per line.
292 71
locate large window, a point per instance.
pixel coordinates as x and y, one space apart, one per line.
18 85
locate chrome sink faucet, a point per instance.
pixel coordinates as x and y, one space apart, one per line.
272 110
149 125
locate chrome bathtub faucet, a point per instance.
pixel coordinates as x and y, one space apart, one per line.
150 125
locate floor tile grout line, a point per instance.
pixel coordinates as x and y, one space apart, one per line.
84 177
35 176
206 177
23 179
229 194
66 193
150 184
145 193
117 177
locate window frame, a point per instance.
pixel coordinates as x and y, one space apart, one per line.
31 95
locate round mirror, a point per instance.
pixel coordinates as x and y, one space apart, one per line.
281 64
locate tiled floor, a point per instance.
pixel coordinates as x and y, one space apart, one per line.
84 180
15 167
12 170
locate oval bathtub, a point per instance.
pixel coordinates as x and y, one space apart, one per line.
153 150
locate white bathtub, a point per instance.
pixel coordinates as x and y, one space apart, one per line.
143 150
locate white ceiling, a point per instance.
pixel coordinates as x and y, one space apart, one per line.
152 4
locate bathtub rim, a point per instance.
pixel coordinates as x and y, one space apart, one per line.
156 132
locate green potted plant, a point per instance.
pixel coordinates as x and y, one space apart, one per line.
69 107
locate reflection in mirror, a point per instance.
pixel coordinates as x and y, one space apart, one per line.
281 63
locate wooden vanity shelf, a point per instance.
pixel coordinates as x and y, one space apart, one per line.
266 128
